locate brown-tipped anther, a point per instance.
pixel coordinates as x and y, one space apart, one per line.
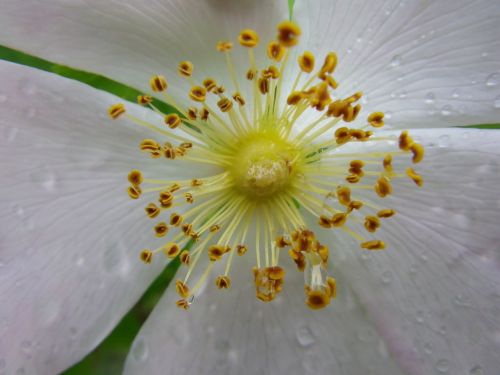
146 256
282 242
241 250
248 38
151 146
134 192
294 98
173 120
263 84
373 245
306 62
182 289
271 72
169 151
238 99
331 82
298 258
276 273
418 152
332 286
275 51
198 93
196 182
251 74
376 119
210 84
383 187
288 33
135 177
204 114
320 97
165 198
158 83
325 221
329 65
387 162
344 195
386 213
215 252
342 135
410 172
225 104
223 282
175 219
116 110
355 205
317 299
144 99
174 187
184 257
405 141
224 46
372 223
161 229
353 178
192 113
187 229
189 198
183 304
152 210
186 145
214 228
339 219
185 68
171 250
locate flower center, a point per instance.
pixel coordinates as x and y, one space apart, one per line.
282 178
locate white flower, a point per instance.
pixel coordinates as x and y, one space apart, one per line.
69 240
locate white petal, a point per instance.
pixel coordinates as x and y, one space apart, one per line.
70 236
434 292
131 40
425 63
231 332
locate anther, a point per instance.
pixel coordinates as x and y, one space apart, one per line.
329 65
175 219
116 110
204 114
196 182
134 192
241 250
388 163
306 62
263 85
184 257
344 195
383 187
354 205
146 256
189 197
373 245
325 221
225 104
275 51
185 69
151 146
215 252
182 289
415 176
152 210
135 177
210 84
250 74
386 213
165 198
192 113
183 304
223 282
282 242
198 93
418 152
288 33
248 38
331 82
239 99
224 46
158 83
294 98
214 228
405 141
144 99
161 229
171 250
187 229
338 220
271 72
376 119
172 120
372 223
317 299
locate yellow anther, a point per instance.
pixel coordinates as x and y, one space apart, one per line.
383 187
171 250
214 228
376 119
184 257
325 221
174 187
151 146
152 210
161 229
146 256
172 120
215 252
219 90
339 219
238 99
268 282
186 145
275 51
317 299
158 83
354 97
204 114
386 213
166 198
176 219
134 192
198 93
144 99
356 164
332 286
321 97
288 33
388 163
331 82
251 74
373 245
210 84
323 253
225 104
248 38
294 98
196 182
187 229
276 273
135 177
271 72
418 152
355 205
223 46
185 69
282 242
353 178
241 249
183 304
337 108
329 65
415 176
372 223
223 282
263 85
405 141
344 195
182 289
169 151
298 258
116 110
192 113
189 197
306 62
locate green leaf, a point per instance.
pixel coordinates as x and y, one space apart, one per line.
482 126
95 80
291 4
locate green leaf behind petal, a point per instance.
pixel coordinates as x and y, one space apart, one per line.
482 126
291 3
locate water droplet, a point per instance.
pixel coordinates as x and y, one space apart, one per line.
140 350
496 102
430 98
446 110
455 94
305 336
443 365
403 95
485 55
80 262
395 61
444 141
386 277
493 79
420 317
428 348
46 179
476 370
3 98
359 39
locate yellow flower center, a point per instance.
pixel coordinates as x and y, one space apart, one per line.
276 170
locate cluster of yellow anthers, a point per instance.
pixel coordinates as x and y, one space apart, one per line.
275 169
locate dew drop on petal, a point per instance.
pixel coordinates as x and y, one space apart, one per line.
493 79
140 350
455 94
420 317
46 179
430 98
446 110
476 370
443 365
395 61
428 348
304 336
496 102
